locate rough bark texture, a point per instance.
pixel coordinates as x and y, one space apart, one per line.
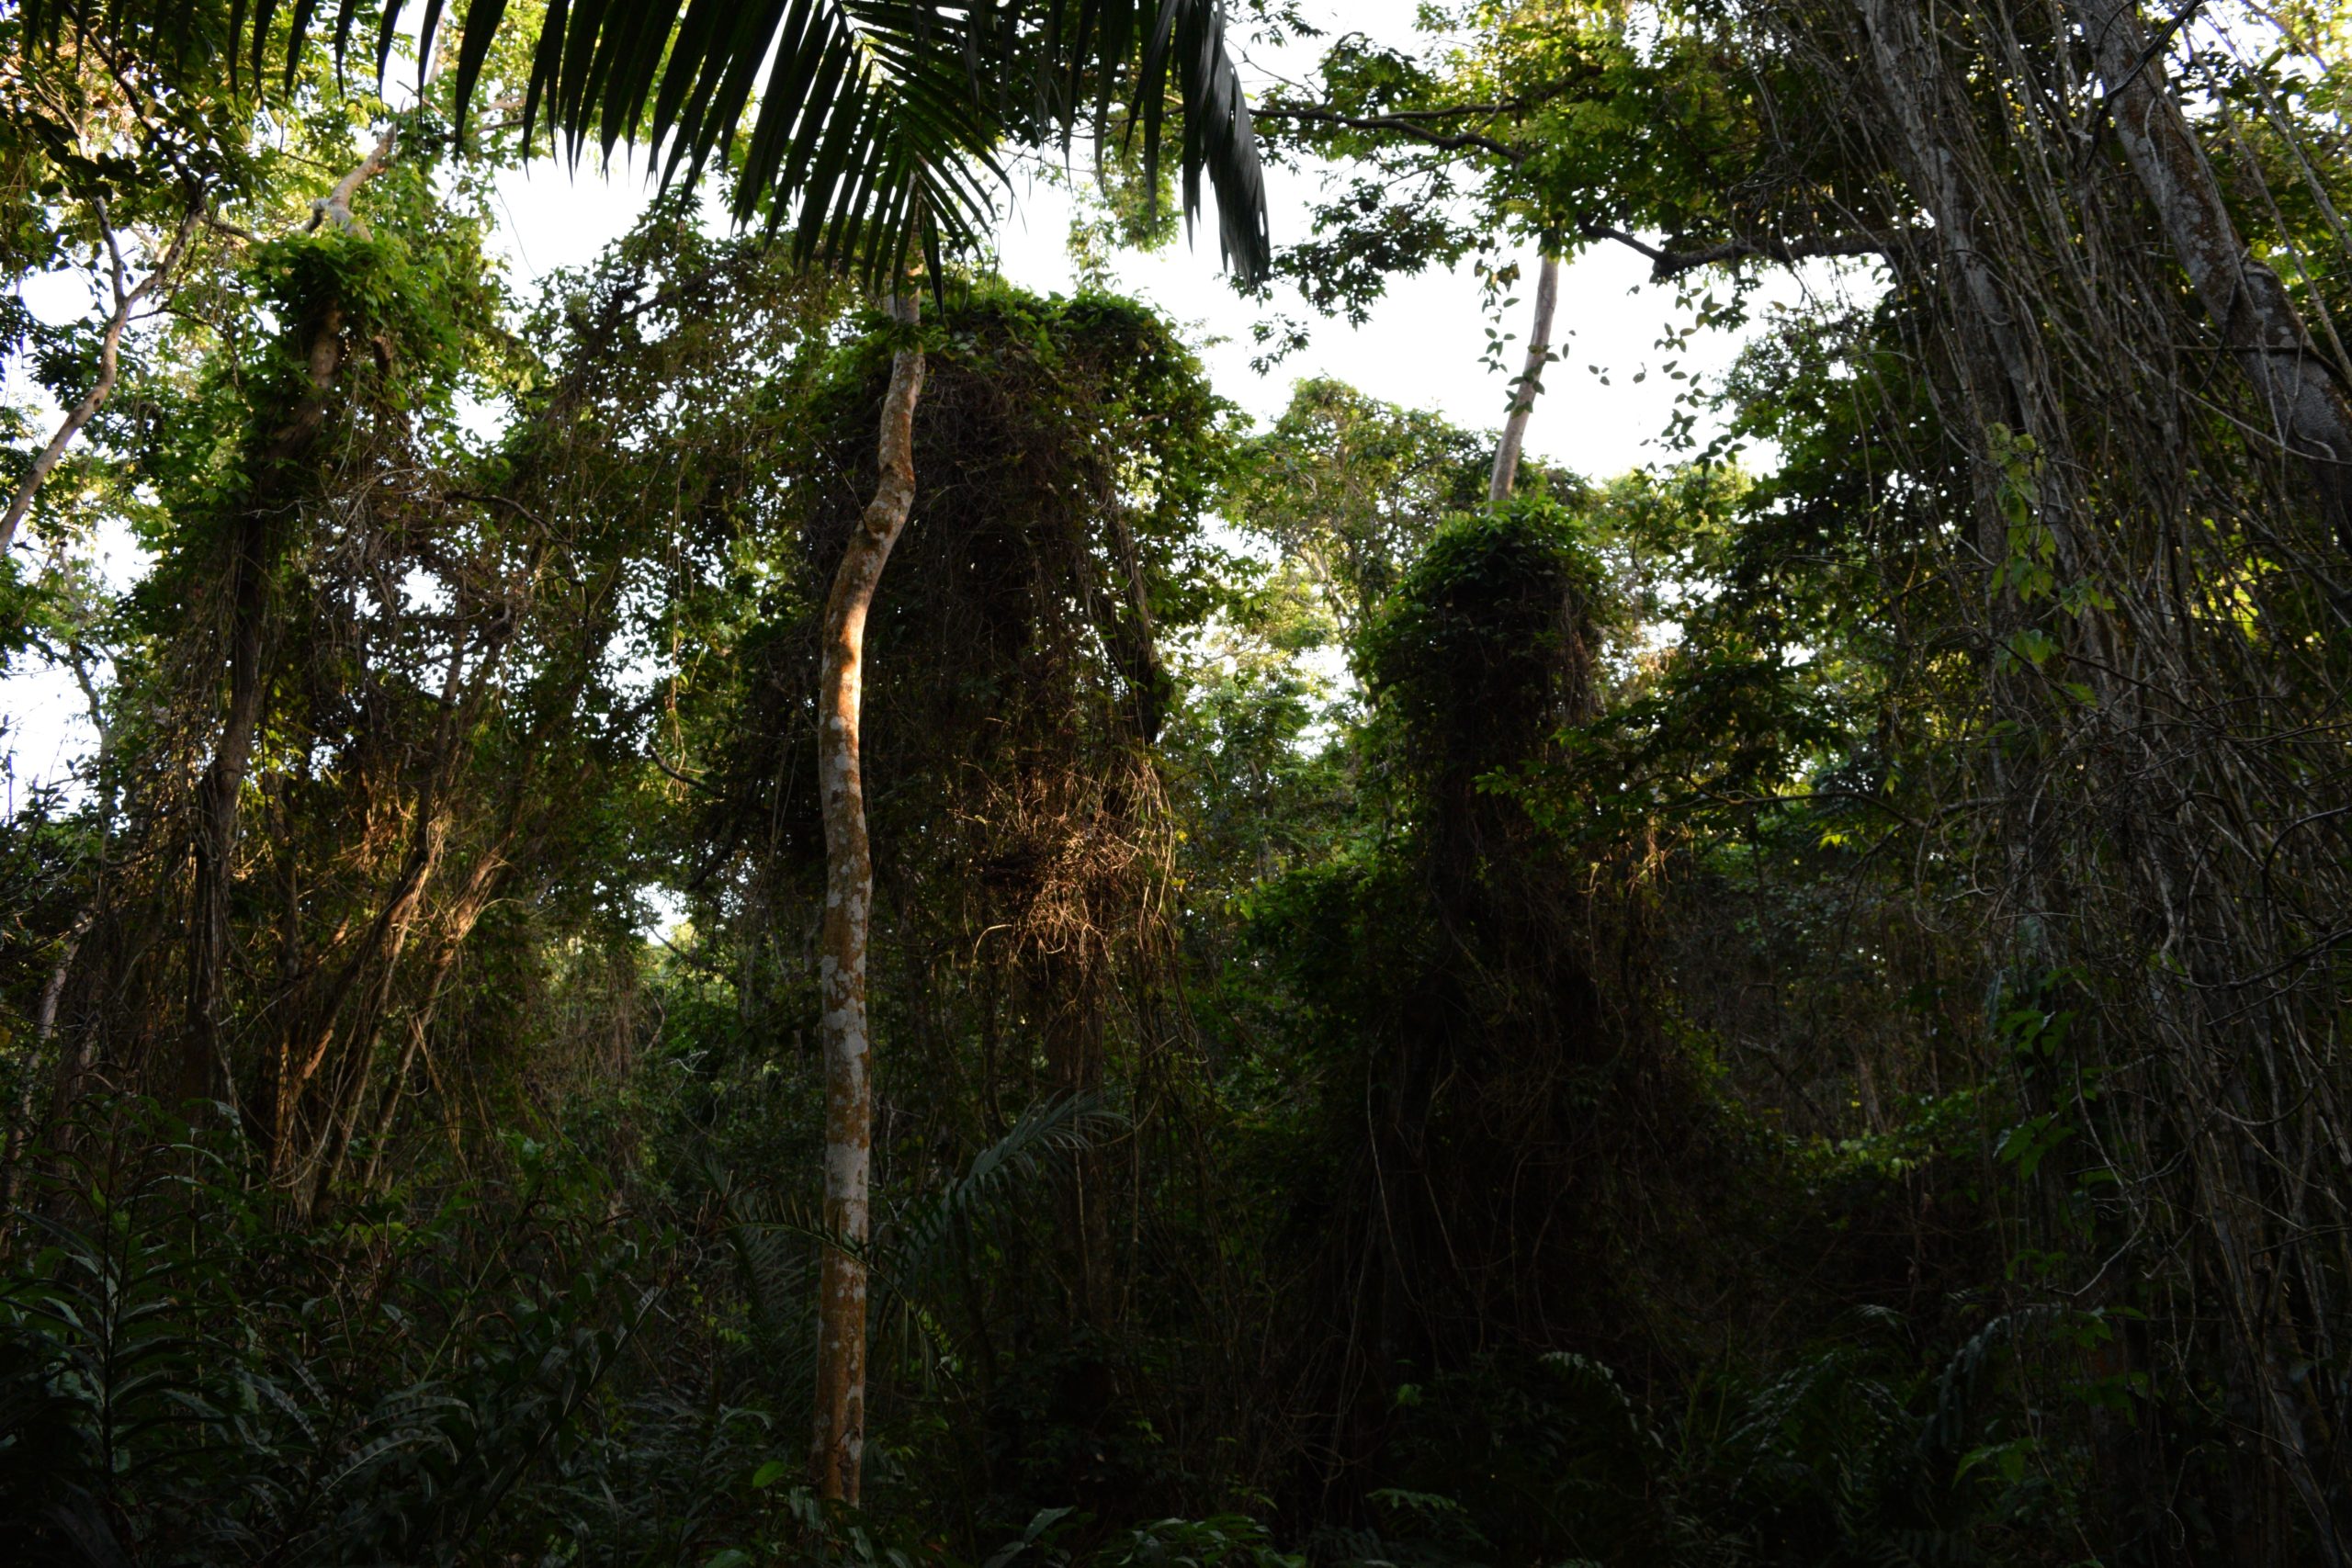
1530 383
1910 71
840 1445
2309 411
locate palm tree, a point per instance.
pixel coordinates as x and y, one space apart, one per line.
878 132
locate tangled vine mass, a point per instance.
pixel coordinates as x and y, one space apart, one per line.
781 898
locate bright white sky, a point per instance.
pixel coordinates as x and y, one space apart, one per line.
1421 346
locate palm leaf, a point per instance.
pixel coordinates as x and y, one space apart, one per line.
1051 1128
880 123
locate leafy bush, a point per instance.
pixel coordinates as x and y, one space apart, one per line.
184 1379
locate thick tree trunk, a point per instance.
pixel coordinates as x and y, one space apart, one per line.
2310 414
1530 383
202 1066
1910 76
849 897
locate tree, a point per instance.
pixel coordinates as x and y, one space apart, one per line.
2293 377
881 125
2083 417
848 917
1530 382
1351 489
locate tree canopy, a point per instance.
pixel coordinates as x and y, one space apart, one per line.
1780 1004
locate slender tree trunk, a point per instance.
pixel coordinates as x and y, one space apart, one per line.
125 300
1530 383
849 899
2310 412
44 1028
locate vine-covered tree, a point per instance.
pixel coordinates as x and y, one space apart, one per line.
1777 1006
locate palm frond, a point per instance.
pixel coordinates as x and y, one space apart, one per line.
1051 1128
879 125
1218 139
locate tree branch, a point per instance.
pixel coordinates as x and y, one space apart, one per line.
336 203
1404 124
1663 263
110 365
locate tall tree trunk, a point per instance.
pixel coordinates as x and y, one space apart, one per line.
1530 383
849 899
202 1066
1910 75
2310 412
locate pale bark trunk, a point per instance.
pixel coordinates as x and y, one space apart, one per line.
109 364
1910 74
2003 372
840 1445
2311 416
1530 383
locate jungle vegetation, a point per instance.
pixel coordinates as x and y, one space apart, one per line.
773 901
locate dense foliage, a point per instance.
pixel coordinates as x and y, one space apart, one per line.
1785 1008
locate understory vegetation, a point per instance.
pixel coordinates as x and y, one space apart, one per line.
1784 1005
